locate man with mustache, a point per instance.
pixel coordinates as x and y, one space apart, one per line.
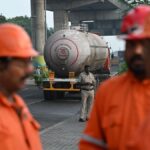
122 103
18 129
87 83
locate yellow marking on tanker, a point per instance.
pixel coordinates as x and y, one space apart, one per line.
71 74
60 89
71 79
51 75
51 88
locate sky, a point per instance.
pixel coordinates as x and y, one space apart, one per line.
13 8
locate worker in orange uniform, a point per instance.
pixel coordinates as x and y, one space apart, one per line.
18 129
122 103
140 140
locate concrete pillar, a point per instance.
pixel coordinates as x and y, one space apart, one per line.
33 15
60 19
38 24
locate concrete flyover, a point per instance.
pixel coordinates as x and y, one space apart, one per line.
104 16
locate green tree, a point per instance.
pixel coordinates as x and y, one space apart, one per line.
23 21
122 68
50 31
134 3
2 19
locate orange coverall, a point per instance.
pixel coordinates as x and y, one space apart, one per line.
18 129
120 107
141 139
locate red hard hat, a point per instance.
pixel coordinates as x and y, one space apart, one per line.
136 24
15 42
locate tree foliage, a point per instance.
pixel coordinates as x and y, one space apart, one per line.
23 21
134 3
122 68
2 19
50 31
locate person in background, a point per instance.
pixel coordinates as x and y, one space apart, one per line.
87 84
122 103
18 129
38 71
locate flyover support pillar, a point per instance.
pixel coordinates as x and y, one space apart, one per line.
60 19
38 24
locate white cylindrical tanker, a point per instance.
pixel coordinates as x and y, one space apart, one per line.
70 50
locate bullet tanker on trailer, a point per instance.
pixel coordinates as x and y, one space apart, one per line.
66 53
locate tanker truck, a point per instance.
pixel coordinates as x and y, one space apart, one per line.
66 53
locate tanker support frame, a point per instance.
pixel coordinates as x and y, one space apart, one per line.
54 88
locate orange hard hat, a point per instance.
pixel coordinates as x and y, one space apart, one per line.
136 23
15 42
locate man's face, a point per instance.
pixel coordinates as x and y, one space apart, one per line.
87 69
137 56
13 77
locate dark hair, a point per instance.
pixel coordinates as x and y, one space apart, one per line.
86 66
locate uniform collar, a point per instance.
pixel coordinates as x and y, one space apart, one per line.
4 100
86 73
135 80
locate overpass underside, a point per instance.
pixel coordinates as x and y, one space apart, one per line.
102 16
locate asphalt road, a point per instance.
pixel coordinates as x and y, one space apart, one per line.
49 113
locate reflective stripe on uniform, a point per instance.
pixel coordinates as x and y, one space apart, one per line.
94 141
